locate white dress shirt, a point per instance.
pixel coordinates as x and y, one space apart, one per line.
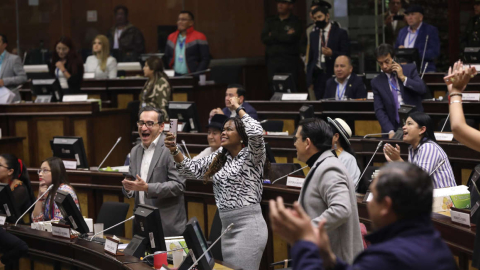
145 166
93 66
61 78
118 34
324 32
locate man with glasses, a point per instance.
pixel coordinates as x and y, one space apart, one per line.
394 21
397 85
156 180
187 50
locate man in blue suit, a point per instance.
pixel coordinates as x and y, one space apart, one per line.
397 85
237 91
415 36
345 84
327 42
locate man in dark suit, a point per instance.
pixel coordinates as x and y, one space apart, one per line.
157 182
235 90
327 42
345 84
415 36
397 85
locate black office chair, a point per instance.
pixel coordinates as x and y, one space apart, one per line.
272 125
448 128
112 213
364 183
215 232
226 74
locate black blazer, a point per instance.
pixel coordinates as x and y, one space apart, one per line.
75 80
355 88
338 42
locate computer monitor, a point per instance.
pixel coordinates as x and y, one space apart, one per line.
70 212
7 204
186 113
306 111
407 55
284 83
50 86
148 224
196 242
70 148
281 169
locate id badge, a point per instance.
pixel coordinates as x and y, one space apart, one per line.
180 58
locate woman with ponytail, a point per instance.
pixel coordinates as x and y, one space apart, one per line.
237 170
14 173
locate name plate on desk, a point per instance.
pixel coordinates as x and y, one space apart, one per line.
2 220
62 231
370 95
294 96
75 98
111 246
443 136
295 181
471 96
460 217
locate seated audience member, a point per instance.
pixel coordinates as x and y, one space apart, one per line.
126 41
235 90
101 63
187 50
12 73
415 36
403 237
67 66
341 144
11 247
461 131
328 192
397 85
12 172
214 135
346 84
52 172
157 92
423 151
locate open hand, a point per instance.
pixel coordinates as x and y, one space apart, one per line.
460 77
392 153
137 185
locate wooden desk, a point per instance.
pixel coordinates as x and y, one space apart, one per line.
39 122
13 145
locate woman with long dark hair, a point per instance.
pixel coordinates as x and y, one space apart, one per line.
67 65
237 171
52 172
423 151
341 145
14 173
156 92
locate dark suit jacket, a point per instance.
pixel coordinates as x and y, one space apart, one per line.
355 88
337 41
248 109
165 187
390 34
433 46
383 99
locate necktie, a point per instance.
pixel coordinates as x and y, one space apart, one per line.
395 90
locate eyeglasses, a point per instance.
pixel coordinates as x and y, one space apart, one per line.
149 124
43 171
4 166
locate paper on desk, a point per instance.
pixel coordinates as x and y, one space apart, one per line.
117 168
6 96
122 246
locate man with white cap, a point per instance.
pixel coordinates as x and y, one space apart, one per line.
341 144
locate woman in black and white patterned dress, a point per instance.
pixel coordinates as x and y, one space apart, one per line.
237 171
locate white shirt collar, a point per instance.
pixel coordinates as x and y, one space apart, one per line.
154 143
345 81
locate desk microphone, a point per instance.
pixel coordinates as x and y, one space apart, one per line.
424 50
289 174
440 164
374 134
444 124
213 244
186 150
46 191
196 73
424 70
132 217
366 167
100 166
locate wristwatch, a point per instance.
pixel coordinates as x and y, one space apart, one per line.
240 108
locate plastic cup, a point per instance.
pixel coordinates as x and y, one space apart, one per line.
98 227
177 258
159 259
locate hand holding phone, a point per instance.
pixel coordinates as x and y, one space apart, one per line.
129 177
174 128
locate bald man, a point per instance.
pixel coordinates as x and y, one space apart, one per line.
345 85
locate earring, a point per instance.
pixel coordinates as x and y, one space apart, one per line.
241 141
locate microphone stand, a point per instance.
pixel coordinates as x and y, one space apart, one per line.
440 164
33 204
424 50
424 70
206 251
378 147
444 124
289 173
100 166
130 218
375 134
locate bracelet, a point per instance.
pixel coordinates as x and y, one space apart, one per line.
456 101
455 94
174 153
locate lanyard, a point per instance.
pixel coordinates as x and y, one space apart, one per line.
182 43
412 37
393 86
340 95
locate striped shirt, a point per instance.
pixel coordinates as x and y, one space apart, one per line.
428 156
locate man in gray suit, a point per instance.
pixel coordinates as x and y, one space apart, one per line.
157 182
12 73
328 191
